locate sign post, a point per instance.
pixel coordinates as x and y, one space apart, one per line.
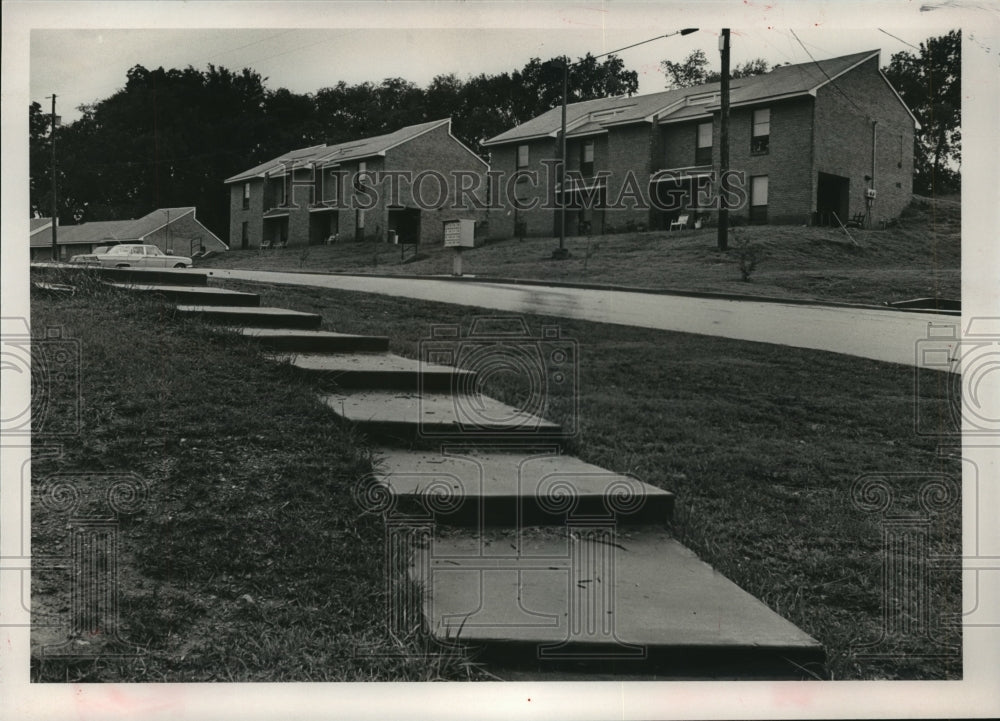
459 234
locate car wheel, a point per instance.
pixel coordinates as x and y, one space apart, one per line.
180 265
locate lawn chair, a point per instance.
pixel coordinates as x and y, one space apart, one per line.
680 224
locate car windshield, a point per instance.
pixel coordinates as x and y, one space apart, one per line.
119 250
101 250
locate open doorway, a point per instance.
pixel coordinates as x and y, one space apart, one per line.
323 225
406 223
833 194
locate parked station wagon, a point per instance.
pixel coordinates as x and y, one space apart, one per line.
133 256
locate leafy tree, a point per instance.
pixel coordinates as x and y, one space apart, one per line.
40 160
930 84
170 137
167 138
693 70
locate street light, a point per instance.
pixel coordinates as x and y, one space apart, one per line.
561 252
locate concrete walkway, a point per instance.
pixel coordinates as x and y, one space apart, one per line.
527 554
883 335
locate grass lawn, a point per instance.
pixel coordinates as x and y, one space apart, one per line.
250 486
920 257
249 559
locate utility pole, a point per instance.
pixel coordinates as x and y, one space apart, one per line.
724 144
562 197
561 253
55 216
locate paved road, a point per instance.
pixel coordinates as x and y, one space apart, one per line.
885 335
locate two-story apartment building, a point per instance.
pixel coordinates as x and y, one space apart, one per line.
406 183
809 144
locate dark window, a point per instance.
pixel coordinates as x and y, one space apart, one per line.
587 158
758 199
522 156
703 147
760 140
246 196
245 235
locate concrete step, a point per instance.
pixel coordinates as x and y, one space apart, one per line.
317 341
258 317
194 295
591 596
168 276
497 487
384 371
409 417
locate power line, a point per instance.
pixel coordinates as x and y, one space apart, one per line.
302 47
247 45
899 39
849 99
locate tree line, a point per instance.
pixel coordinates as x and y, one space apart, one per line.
169 138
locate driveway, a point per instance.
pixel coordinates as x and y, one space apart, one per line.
883 335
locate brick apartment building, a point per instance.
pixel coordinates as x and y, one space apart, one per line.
814 141
173 230
336 193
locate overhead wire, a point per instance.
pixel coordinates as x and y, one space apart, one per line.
822 70
885 32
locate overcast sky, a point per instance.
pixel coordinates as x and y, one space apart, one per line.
85 65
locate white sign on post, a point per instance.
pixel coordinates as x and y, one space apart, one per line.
459 234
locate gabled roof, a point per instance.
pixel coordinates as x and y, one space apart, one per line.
39 224
684 104
96 232
341 152
139 229
121 231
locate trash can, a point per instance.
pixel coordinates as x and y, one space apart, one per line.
393 238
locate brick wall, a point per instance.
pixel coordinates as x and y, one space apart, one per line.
630 155
844 139
437 151
787 163
677 145
538 222
237 215
184 236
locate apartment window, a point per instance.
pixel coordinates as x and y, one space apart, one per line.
587 158
703 148
246 196
522 156
761 136
758 199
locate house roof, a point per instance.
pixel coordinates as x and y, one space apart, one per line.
39 224
121 231
683 104
334 154
96 232
139 229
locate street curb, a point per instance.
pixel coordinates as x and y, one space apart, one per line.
610 288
